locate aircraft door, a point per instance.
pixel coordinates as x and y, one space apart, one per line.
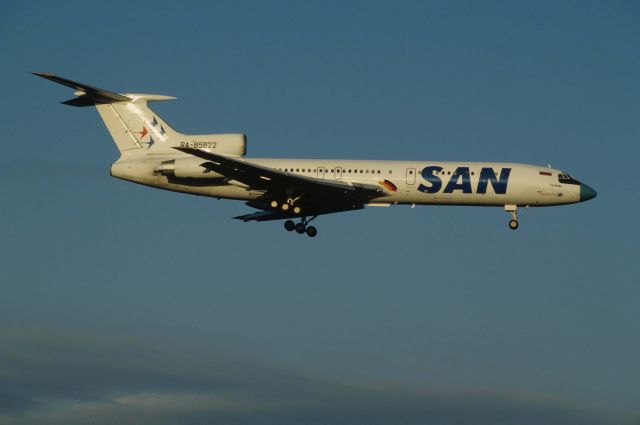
337 174
321 172
411 176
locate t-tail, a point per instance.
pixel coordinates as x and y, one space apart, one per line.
136 129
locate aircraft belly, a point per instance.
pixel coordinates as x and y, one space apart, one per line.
517 195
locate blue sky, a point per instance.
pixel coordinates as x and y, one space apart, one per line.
119 301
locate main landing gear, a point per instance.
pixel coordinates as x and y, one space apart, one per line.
513 209
301 227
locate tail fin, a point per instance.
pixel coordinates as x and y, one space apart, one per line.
135 128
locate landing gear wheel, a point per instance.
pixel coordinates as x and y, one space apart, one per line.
300 228
289 225
513 209
312 231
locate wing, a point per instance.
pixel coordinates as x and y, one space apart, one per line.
315 196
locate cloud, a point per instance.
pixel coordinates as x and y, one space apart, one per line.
52 378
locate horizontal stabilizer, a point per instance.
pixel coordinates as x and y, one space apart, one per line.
87 95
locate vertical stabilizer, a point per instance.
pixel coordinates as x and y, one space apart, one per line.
134 127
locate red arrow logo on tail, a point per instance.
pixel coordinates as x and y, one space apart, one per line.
142 133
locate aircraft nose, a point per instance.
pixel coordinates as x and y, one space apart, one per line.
586 192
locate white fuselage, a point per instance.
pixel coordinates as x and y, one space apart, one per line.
411 182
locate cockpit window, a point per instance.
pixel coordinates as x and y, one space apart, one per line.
567 179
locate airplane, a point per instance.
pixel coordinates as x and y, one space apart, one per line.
153 153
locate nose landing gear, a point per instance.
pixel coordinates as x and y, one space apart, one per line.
301 227
513 209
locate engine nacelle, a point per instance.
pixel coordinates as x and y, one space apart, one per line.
224 144
191 167
188 168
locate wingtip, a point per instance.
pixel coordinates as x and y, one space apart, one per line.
41 74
